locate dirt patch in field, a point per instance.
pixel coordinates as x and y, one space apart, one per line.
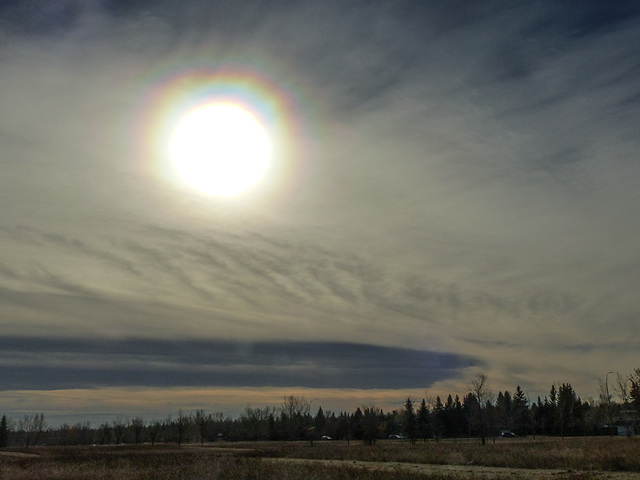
464 471
224 450
18 454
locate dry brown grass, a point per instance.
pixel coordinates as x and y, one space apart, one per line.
578 453
574 459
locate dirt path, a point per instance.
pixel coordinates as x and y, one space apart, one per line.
465 470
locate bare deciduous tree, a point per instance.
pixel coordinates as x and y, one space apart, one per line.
255 422
372 425
621 388
294 405
119 427
294 409
203 423
155 427
138 426
32 427
480 389
104 434
182 426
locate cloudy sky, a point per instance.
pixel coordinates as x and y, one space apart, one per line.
453 189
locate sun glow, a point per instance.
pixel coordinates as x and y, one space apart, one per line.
220 149
222 131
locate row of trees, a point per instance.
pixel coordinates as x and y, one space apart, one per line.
30 429
480 413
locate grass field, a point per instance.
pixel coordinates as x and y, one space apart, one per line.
570 458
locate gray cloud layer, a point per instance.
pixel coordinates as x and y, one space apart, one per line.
43 364
469 183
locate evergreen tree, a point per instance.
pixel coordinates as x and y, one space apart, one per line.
437 415
448 418
320 423
343 427
424 427
521 416
580 413
553 417
567 401
4 432
504 413
272 427
331 424
469 406
357 424
536 417
410 421
461 427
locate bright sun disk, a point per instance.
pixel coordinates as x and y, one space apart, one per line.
220 149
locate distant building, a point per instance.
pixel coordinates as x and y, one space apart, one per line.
626 423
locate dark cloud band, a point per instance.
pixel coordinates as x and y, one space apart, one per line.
38 363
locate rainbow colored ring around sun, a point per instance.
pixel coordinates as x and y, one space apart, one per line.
220 130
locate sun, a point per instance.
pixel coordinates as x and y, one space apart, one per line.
220 149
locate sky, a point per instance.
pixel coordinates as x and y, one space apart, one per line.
453 190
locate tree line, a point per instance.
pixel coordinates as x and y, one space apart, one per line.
479 413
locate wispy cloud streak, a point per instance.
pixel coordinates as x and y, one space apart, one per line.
468 185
